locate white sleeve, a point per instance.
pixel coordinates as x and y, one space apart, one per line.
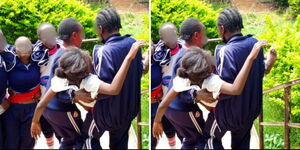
213 84
2 110
91 84
181 84
59 84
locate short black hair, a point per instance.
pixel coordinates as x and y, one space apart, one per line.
189 27
109 20
231 19
67 27
195 65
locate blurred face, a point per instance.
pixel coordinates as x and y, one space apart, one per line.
48 38
221 31
77 37
199 38
3 42
99 31
169 36
24 53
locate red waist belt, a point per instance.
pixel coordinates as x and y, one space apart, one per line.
20 97
156 94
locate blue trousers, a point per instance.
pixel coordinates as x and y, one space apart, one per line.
90 133
66 125
1 133
190 125
17 123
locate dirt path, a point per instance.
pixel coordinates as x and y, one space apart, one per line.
255 6
133 6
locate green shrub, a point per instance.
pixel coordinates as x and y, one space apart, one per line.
177 11
22 17
295 7
284 36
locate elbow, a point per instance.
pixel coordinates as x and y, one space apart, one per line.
115 91
237 91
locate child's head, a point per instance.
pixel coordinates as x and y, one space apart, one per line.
23 48
3 42
47 34
193 32
74 65
196 65
71 32
108 22
168 34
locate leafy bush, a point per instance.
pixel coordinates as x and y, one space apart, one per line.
22 17
273 141
284 36
177 11
295 7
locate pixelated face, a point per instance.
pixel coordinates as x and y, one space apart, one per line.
3 42
78 37
48 38
170 37
23 51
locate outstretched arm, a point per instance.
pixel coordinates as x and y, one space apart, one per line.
40 108
162 108
238 85
115 87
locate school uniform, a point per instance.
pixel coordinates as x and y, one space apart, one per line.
24 81
186 116
115 113
235 113
62 114
156 92
3 86
43 56
165 57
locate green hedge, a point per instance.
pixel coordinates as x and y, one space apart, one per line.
295 7
285 38
22 17
176 11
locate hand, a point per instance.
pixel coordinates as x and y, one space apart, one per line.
204 95
135 48
83 96
157 130
270 60
257 47
35 130
5 104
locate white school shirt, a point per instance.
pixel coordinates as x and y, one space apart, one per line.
212 83
91 84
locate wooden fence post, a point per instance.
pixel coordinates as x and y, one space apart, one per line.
287 111
139 131
261 128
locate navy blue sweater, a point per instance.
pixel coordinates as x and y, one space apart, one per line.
111 112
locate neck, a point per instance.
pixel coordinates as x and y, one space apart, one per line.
67 44
108 35
231 34
25 62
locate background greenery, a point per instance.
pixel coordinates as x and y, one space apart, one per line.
22 18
